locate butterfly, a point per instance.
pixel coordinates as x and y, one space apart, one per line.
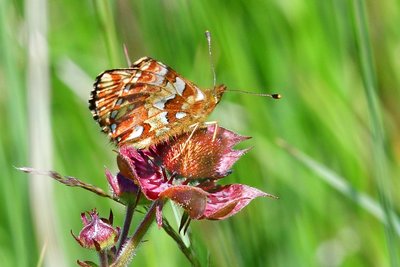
148 103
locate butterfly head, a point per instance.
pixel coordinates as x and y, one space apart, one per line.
219 90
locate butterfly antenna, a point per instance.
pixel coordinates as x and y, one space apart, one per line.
274 96
208 36
127 56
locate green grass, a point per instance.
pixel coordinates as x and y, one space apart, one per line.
336 65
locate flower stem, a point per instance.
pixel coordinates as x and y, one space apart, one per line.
128 250
103 258
188 252
130 208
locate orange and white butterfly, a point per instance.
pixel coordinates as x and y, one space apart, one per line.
148 103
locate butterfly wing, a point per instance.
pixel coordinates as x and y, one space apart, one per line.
146 103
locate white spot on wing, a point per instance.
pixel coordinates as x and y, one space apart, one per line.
199 95
161 103
137 76
119 101
163 117
146 66
137 131
113 127
127 87
106 77
180 115
114 114
159 80
157 121
137 62
179 85
162 71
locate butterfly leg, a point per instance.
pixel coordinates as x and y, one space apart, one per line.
215 123
195 126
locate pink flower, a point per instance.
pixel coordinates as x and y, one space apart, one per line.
97 233
186 169
123 188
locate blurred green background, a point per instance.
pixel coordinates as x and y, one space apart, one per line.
330 148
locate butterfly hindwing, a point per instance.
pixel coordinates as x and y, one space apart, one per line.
147 103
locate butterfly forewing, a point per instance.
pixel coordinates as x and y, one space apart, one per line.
148 103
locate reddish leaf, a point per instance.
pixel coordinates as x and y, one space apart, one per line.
192 199
229 200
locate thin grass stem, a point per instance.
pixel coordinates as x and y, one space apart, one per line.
380 169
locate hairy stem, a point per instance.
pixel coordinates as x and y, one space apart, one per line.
130 208
103 258
131 245
188 252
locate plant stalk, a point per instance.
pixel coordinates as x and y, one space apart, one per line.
130 209
103 258
131 245
187 251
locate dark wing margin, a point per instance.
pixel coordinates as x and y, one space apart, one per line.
105 93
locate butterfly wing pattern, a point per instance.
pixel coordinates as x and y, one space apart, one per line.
149 103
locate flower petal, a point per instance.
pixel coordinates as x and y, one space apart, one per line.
205 154
137 165
192 199
229 200
123 188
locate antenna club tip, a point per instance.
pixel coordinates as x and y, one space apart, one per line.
276 96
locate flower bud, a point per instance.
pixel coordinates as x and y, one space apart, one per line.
97 233
125 189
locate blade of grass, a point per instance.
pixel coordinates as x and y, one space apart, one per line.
15 219
40 135
15 94
340 184
381 173
107 24
67 68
